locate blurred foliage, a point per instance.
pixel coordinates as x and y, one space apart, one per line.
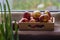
6 30
32 4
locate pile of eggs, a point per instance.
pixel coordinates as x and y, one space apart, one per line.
36 16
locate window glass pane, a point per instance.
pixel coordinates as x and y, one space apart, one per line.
4 2
36 4
33 4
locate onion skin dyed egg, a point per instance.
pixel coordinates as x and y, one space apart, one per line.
32 20
27 15
48 13
23 20
36 15
44 18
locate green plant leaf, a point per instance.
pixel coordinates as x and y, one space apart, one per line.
16 31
